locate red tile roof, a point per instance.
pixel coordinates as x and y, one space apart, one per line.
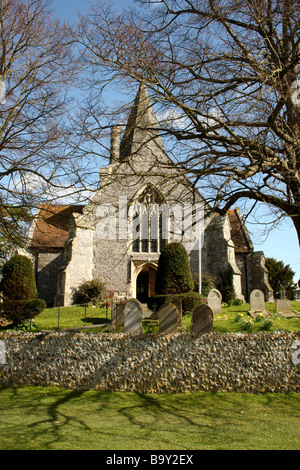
52 226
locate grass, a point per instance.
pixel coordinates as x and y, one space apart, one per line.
70 317
36 418
52 418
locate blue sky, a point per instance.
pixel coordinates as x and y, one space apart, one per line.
67 9
282 242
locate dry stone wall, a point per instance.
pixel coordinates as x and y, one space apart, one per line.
182 362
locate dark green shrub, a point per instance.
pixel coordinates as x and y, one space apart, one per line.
19 291
189 300
225 285
13 310
89 292
235 302
173 271
34 307
18 282
18 311
207 283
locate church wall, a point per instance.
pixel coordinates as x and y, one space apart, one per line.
258 275
218 253
111 264
241 262
114 262
46 270
77 266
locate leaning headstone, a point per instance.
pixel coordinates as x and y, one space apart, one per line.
284 306
167 318
202 319
133 317
257 301
177 301
214 301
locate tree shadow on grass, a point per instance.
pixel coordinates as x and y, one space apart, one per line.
57 419
169 420
48 416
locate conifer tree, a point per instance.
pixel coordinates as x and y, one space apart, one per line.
173 272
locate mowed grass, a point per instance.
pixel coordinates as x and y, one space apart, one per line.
36 418
76 316
71 317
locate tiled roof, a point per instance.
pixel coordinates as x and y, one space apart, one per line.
52 226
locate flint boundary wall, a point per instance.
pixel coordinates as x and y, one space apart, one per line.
250 363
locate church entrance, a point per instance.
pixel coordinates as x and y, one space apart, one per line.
145 284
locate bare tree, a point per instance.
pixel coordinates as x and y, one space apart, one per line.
225 74
36 68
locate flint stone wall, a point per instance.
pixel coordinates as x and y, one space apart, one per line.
182 362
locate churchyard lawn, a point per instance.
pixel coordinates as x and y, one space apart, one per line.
52 418
37 418
73 317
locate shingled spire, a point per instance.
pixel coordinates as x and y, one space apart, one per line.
142 126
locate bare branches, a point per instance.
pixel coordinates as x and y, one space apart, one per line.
37 65
229 70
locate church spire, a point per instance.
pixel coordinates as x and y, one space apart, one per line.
142 125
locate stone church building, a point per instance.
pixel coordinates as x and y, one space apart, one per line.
118 235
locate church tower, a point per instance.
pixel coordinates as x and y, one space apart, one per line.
140 206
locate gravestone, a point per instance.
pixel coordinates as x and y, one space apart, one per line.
133 317
167 318
202 319
257 301
177 302
120 314
214 301
113 316
284 306
2 353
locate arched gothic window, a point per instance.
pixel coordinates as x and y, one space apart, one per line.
148 235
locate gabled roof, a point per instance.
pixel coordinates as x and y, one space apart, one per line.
239 233
51 228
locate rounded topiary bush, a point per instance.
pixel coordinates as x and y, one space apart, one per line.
18 281
173 271
19 291
34 307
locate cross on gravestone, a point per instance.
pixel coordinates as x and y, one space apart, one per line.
257 301
133 317
282 293
214 301
167 318
202 319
